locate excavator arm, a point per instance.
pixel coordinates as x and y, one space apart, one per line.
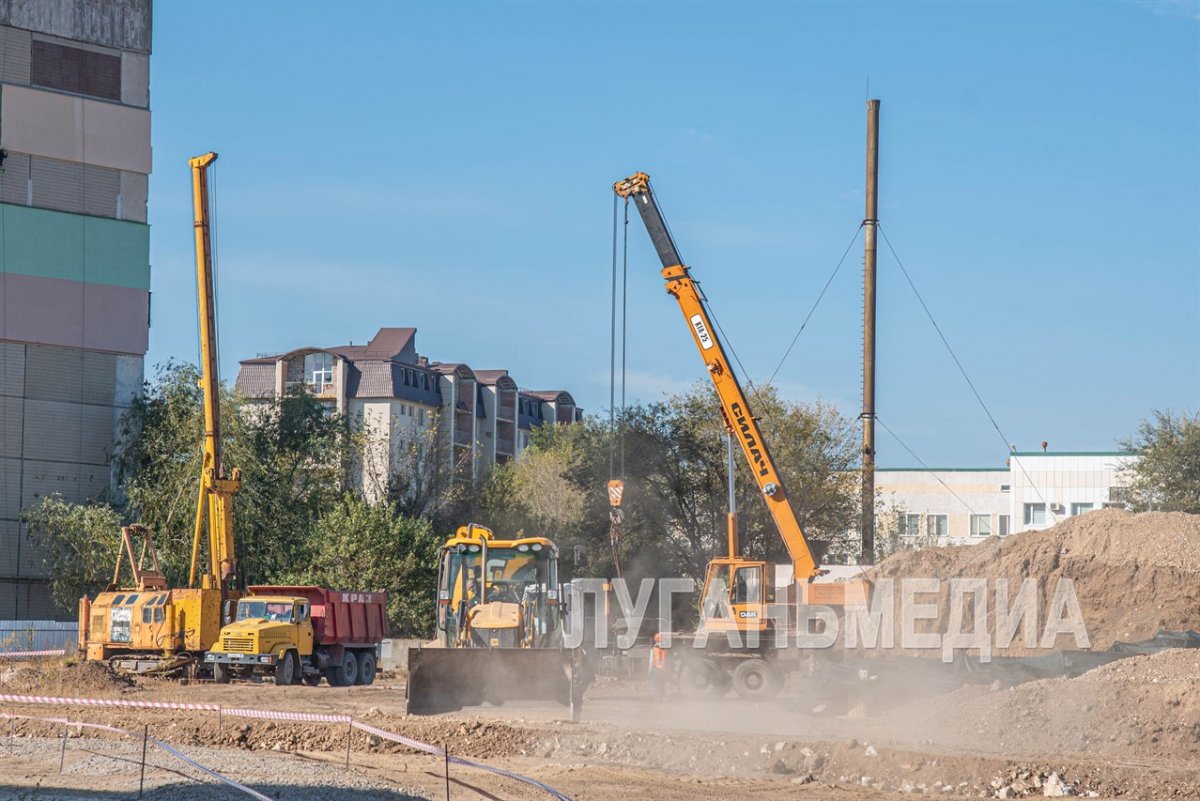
734 405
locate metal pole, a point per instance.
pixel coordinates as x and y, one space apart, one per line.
870 225
142 778
62 757
446 748
349 731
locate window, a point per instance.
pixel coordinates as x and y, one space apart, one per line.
146 612
1006 487
909 526
159 615
981 525
1005 525
1035 514
1081 508
937 526
318 370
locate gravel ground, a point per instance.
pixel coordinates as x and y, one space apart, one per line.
109 769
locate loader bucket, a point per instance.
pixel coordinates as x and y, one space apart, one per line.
448 679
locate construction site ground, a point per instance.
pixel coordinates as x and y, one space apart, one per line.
1119 731
1126 729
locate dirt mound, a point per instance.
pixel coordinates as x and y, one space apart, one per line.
63 676
1141 706
1132 573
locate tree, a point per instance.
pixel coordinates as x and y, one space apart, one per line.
1166 474
675 473
79 540
293 456
356 545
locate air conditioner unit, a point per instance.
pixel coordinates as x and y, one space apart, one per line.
1056 507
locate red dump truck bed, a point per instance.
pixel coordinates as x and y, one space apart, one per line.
348 618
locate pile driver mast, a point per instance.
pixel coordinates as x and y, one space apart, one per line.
215 501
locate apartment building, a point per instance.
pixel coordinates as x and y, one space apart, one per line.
397 395
75 160
1033 490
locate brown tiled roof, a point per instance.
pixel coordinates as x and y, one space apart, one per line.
388 343
551 395
490 377
256 379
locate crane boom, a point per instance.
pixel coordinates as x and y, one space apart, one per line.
215 501
734 405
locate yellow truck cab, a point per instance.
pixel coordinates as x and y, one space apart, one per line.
301 634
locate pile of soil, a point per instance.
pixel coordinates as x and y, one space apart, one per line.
63 676
1133 574
1145 706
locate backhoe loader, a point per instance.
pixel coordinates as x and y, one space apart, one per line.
500 618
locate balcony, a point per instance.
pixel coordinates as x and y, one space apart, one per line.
323 390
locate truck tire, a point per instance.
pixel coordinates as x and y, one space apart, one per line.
345 674
757 680
312 679
285 671
220 673
366 668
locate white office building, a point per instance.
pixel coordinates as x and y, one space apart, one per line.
1034 490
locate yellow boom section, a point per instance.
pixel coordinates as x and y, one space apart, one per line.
216 489
733 400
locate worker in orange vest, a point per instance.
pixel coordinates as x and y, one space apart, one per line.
658 668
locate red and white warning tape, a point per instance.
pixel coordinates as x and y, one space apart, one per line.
51 699
28 654
433 749
159 743
267 714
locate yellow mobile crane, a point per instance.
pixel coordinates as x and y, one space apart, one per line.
739 594
146 626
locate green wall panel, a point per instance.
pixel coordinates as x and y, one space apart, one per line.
74 247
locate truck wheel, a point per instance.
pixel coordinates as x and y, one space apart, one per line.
757 680
285 671
220 673
345 674
702 677
312 679
366 668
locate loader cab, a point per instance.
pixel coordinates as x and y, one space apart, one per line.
737 593
506 588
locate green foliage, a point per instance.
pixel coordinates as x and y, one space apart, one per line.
1166 474
675 472
360 546
77 539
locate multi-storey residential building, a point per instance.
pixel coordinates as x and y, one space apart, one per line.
1034 490
74 258
389 390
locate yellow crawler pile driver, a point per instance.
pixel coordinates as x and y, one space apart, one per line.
146 626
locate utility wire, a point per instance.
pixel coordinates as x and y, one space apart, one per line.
958 364
811 311
928 469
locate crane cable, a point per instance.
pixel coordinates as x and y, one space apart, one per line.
616 426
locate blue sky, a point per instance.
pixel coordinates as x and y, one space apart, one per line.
449 166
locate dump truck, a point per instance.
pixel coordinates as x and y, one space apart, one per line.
301 634
500 618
